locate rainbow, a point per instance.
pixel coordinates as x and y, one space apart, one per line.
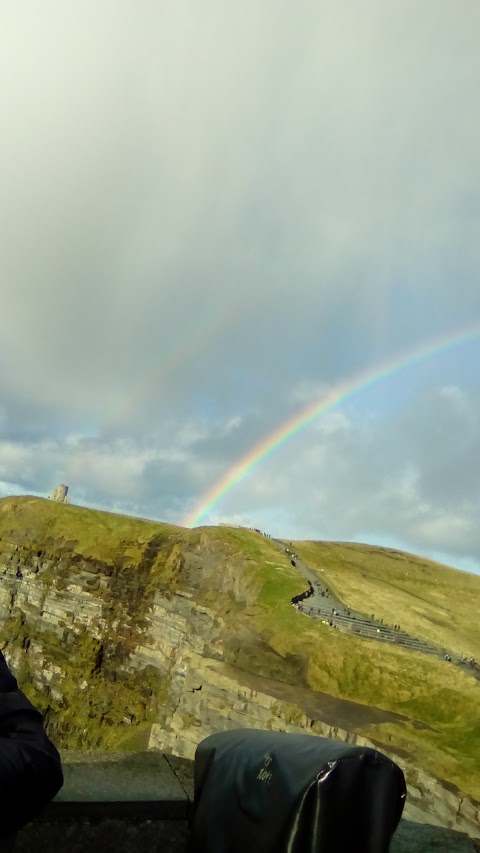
301 419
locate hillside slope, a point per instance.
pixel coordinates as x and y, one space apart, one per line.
432 601
131 633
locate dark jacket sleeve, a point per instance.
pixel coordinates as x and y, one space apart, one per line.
30 767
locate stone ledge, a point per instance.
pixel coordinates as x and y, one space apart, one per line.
119 784
118 802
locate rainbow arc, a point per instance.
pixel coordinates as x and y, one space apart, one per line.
302 419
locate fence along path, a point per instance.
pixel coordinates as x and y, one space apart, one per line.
319 602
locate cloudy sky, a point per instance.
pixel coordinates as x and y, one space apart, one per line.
212 216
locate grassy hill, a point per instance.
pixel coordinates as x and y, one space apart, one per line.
101 535
429 600
249 582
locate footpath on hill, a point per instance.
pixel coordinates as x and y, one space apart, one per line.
319 602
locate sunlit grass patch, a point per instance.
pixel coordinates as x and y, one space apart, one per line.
94 533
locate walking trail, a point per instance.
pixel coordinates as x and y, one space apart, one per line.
319 602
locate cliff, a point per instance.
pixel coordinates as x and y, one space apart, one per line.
131 634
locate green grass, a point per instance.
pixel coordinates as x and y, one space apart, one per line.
100 535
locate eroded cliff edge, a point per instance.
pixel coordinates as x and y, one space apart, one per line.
135 634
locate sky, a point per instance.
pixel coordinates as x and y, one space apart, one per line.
215 216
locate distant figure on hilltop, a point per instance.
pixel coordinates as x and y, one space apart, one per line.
59 495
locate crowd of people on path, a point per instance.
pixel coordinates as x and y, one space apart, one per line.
347 613
262 532
297 602
470 662
336 612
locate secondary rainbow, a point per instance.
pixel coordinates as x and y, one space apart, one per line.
170 358
314 410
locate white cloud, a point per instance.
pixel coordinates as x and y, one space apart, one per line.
448 531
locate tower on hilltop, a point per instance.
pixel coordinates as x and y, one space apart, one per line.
60 494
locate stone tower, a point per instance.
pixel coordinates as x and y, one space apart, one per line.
60 494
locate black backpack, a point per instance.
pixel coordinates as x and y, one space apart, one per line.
271 792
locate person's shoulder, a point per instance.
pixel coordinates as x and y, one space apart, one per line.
8 682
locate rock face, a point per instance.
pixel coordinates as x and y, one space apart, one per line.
132 654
